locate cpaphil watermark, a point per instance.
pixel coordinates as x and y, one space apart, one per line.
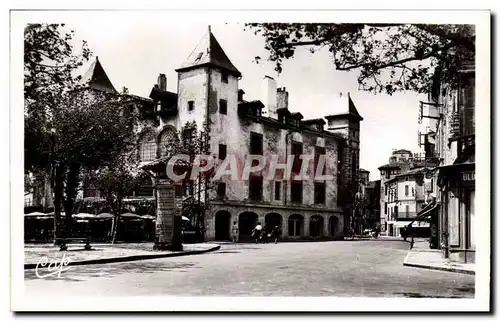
270 167
54 267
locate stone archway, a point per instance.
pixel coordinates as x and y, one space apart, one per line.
316 226
334 227
296 225
222 226
274 219
246 223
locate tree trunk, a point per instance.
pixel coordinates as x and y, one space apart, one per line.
114 227
71 192
58 196
116 219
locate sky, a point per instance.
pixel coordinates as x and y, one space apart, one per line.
133 53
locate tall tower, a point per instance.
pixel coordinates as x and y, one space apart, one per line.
346 122
207 83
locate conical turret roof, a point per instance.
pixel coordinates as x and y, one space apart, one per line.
209 53
96 78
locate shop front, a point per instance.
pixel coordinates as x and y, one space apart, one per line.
457 184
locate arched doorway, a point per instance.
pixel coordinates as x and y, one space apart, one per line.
333 225
222 225
246 223
295 225
316 226
272 220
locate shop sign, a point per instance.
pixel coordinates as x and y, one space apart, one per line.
468 176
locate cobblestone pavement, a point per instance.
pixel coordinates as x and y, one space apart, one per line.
341 268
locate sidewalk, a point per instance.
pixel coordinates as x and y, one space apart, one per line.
105 253
423 257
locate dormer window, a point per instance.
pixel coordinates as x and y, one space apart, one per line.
158 106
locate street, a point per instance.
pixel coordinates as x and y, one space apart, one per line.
341 268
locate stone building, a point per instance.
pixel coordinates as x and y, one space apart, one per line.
452 139
208 94
405 200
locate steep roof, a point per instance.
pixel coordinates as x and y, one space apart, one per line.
96 78
209 53
345 107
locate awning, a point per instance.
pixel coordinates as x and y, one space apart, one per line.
452 173
425 213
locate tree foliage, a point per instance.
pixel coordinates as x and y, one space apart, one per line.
68 127
116 179
389 57
195 199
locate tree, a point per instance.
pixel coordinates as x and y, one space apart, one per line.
115 180
195 203
68 127
389 57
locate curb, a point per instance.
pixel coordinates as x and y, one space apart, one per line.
131 258
437 268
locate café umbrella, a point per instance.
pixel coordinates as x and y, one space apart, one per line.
84 216
104 216
130 215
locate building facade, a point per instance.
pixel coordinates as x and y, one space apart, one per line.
452 138
208 95
405 200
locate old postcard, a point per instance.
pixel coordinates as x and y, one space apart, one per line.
287 160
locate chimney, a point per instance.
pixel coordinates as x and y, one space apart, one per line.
282 98
241 92
162 82
269 93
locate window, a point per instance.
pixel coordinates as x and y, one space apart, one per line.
297 162
188 135
385 208
277 191
166 138
467 103
221 189
296 191
190 105
385 191
255 188
147 148
387 174
413 191
432 185
223 77
319 193
317 152
223 106
407 190
256 147
222 151
407 208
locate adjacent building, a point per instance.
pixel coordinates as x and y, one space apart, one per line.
452 139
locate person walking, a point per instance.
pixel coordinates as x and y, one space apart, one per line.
276 234
235 232
256 232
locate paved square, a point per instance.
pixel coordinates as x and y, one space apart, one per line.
340 268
